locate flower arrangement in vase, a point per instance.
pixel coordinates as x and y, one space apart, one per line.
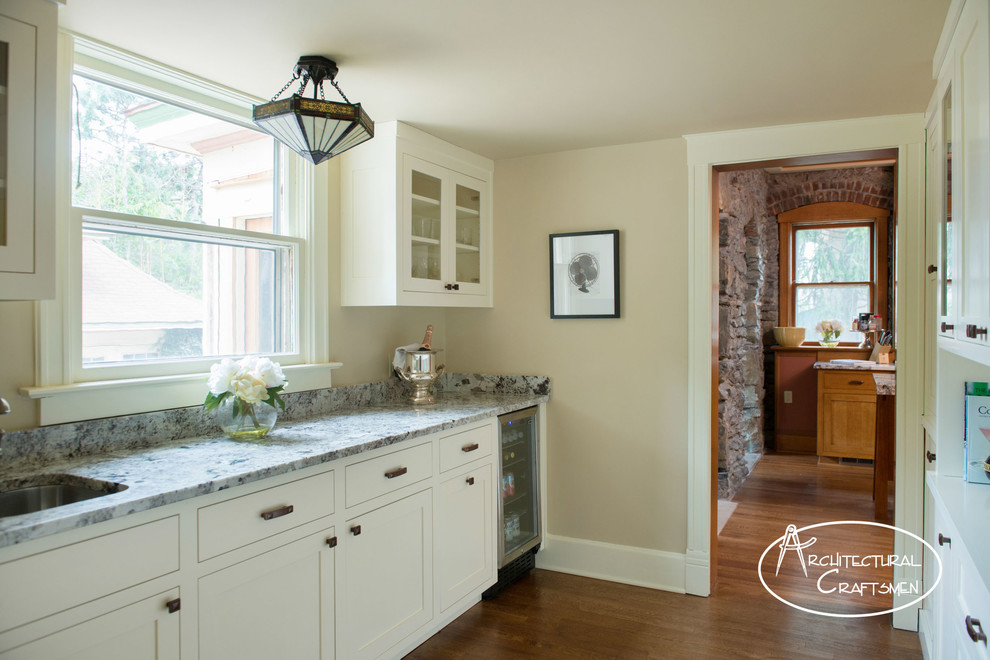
830 331
245 395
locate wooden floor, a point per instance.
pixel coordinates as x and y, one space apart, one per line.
554 615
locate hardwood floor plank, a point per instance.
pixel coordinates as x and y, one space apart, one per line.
555 615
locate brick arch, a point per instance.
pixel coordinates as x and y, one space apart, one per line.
808 192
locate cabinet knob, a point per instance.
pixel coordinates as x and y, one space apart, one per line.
175 605
277 513
929 456
397 472
980 332
469 481
975 630
932 268
947 326
944 540
332 542
356 530
452 287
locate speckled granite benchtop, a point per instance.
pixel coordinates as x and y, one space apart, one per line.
174 455
855 367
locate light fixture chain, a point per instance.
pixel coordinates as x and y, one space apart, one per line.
337 87
287 85
302 87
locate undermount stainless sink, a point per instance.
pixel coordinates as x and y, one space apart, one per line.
50 490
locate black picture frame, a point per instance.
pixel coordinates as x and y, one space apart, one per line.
584 275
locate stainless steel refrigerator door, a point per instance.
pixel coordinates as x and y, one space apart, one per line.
519 467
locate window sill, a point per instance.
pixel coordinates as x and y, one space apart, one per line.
110 398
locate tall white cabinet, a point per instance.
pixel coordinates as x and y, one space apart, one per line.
954 619
416 222
27 149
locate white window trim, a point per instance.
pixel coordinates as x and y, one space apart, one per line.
61 398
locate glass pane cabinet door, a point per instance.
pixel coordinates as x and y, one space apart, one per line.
427 231
469 238
947 301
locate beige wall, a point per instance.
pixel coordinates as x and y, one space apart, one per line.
617 422
362 338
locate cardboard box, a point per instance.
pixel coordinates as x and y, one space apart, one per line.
976 449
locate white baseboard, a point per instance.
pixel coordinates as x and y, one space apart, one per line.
926 631
642 567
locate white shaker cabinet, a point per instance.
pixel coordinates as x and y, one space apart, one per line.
464 535
28 30
279 604
385 583
416 222
145 630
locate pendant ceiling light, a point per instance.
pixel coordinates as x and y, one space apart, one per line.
315 128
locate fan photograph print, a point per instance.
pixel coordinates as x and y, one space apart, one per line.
584 275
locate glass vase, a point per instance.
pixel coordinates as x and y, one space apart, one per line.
832 343
246 421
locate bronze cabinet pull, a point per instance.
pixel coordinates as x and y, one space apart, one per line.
932 268
397 472
355 530
277 513
471 447
944 540
975 630
930 456
332 542
175 605
454 287
855 382
470 481
947 326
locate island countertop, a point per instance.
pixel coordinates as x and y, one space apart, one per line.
177 470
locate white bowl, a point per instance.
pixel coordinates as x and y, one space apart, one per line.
788 336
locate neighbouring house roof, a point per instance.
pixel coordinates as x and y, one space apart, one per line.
116 291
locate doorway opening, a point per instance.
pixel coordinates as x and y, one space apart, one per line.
760 288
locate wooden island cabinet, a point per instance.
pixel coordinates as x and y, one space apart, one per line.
847 414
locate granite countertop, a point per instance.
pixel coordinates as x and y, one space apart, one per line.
174 470
872 366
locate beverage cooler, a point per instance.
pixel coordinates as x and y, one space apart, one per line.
519 519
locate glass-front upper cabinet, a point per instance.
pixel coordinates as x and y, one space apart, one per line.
27 150
415 222
446 230
946 266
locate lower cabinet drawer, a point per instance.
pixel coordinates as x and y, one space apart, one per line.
53 581
377 476
461 448
845 381
232 524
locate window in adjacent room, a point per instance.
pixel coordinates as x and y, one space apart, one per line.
833 265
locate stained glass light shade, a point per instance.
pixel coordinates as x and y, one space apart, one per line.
313 128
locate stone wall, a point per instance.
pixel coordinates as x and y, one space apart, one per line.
747 314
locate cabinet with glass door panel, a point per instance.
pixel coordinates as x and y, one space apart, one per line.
416 226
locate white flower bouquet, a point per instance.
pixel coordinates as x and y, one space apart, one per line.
237 389
829 330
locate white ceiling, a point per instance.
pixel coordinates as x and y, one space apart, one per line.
507 78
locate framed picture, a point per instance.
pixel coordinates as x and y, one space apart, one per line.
584 275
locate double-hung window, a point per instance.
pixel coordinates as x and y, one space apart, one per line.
189 237
833 265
